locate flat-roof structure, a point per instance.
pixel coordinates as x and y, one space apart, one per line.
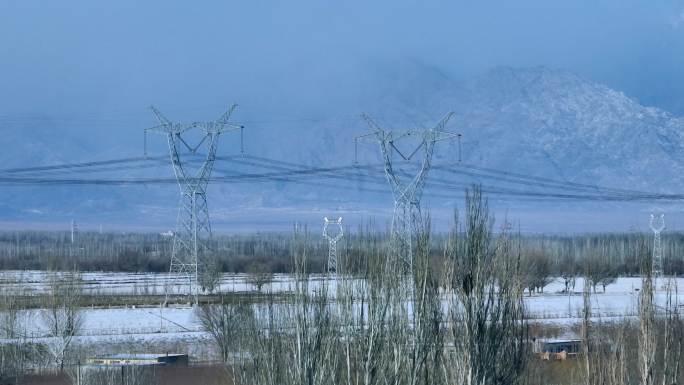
138 359
550 349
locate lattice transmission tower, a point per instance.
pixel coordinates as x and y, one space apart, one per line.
408 192
193 229
332 241
657 225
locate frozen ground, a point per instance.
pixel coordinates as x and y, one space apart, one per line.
35 282
620 299
173 323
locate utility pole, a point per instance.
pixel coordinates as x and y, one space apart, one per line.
193 229
332 242
407 193
657 225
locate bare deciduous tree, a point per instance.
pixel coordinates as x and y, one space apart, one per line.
62 315
673 337
383 326
11 357
9 315
225 322
309 314
210 276
487 323
258 275
599 271
568 271
536 270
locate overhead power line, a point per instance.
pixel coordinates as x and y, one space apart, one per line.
80 165
500 183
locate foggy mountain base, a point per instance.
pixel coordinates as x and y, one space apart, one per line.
537 122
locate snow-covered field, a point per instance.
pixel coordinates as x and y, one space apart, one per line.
620 299
155 323
35 282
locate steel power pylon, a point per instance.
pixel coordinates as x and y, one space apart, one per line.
193 229
332 242
407 193
657 225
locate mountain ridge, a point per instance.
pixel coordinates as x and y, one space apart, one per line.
537 121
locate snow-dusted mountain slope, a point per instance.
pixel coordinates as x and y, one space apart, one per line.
536 121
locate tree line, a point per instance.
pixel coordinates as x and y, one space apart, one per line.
604 255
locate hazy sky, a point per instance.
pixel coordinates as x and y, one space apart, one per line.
87 60
93 67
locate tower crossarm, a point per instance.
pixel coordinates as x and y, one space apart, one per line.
442 135
373 125
222 124
414 189
168 127
224 120
385 139
340 232
163 120
439 128
172 129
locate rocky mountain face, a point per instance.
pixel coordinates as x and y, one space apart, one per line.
559 125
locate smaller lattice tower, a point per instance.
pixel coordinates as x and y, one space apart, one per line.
332 241
657 225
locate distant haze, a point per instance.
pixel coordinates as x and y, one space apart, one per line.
81 59
76 78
